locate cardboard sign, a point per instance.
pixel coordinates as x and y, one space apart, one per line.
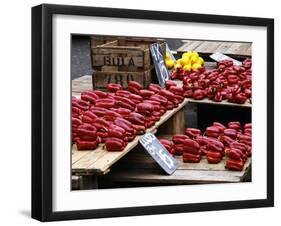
219 57
159 153
159 63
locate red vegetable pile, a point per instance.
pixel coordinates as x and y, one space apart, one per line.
218 140
227 82
117 116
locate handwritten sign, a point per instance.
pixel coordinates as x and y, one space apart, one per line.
219 57
159 153
159 63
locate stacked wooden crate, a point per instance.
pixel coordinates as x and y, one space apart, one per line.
123 60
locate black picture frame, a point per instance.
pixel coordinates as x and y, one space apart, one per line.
42 111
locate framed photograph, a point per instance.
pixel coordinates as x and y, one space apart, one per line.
146 112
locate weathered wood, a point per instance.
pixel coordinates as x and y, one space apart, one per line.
234 49
89 182
130 54
174 125
189 45
207 47
102 78
224 102
238 49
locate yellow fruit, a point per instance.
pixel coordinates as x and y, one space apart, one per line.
187 67
200 60
195 66
170 64
186 54
195 54
178 65
194 59
184 61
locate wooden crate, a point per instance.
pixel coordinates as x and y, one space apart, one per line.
102 78
100 40
124 54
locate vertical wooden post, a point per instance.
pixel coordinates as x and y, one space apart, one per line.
89 182
173 125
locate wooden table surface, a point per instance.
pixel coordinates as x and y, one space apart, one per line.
206 48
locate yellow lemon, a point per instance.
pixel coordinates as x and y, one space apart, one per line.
195 54
186 54
184 61
178 65
195 66
200 60
170 64
187 67
194 59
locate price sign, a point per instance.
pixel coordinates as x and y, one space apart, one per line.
159 153
219 57
159 63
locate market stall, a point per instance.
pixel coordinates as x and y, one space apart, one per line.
158 110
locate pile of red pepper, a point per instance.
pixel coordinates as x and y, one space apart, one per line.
117 116
227 82
217 141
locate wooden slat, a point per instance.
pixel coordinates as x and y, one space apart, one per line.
223 47
207 47
179 177
239 49
189 46
224 102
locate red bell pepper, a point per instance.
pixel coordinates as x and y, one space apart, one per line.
235 154
81 104
116 131
235 165
145 108
219 125
146 93
123 93
136 85
178 138
86 145
234 125
100 94
215 145
192 132
136 118
213 131
227 141
114 144
112 87
232 133
199 94
193 158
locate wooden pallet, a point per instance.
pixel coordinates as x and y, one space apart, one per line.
206 48
99 161
139 167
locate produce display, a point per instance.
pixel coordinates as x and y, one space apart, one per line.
226 82
217 141
117 116
190 61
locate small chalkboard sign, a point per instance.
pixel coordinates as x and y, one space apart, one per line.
159 63
219 57
159 153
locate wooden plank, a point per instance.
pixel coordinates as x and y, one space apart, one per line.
223 103
179 177
174 125
102 78
239 49
189 46
207 47
223 47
